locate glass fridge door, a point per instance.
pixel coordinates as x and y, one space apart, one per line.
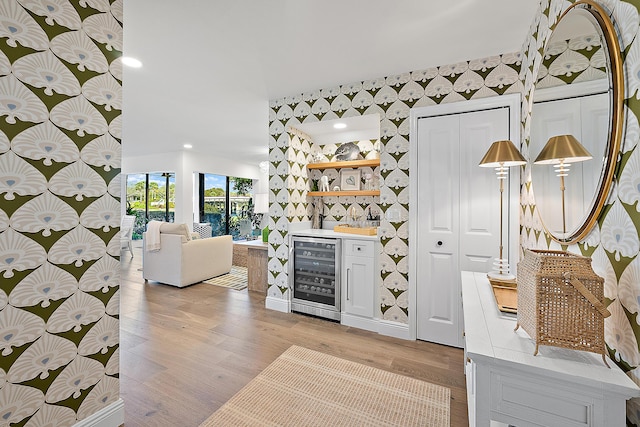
315 272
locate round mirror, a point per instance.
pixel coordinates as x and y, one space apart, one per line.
576 121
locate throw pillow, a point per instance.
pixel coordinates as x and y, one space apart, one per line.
173 228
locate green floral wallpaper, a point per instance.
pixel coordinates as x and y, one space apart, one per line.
576 60
60 130
391 98
614 244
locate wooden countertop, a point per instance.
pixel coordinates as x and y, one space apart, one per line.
253 244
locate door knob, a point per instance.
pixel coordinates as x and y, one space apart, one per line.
439 243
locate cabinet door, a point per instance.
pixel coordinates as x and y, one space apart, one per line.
359 286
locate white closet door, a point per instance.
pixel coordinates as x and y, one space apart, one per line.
438 195
458 204
480 190
595 128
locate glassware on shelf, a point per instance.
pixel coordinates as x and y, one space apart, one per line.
368 181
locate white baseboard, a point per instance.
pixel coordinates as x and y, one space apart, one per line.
359 322
278 304
394 329
111 416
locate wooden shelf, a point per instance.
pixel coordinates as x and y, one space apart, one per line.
344 193
340 165
346 164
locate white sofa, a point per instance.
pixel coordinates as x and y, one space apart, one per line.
181 262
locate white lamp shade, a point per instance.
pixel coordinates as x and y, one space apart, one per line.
262 203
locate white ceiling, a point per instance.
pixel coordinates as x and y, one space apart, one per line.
211 66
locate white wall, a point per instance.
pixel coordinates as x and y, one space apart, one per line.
185 164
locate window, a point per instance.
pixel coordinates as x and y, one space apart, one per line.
226 203
150 196
162 202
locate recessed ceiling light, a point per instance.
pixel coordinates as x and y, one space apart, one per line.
339 125
131 62
188 146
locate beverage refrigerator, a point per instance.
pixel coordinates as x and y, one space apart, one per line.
315 276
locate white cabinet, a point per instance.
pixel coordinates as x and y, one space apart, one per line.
508 384
358 284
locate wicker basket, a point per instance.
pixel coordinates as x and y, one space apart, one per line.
559 301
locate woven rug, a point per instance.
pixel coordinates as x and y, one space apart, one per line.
235 279
307 388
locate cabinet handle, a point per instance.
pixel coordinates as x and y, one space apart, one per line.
348 284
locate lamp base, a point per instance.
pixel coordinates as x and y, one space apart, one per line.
501 270
504 276
502 280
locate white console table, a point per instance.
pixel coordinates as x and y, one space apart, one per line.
508 384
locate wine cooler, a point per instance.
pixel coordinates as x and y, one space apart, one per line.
315 276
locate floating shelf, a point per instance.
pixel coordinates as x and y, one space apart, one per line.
344 193
346 164
340 165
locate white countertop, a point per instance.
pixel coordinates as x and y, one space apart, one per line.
258 243
331 234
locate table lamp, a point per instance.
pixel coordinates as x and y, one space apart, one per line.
561 151
500 156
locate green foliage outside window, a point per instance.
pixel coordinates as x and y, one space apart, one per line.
157 195
243 186
214 192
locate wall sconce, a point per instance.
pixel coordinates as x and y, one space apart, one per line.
561 151
502 155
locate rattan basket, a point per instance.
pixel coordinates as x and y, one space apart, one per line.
559 301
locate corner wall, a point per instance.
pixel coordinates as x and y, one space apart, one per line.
60 130
614 243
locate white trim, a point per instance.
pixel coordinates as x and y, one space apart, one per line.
511 101
368 324
573 90
395 329
111 416
277 304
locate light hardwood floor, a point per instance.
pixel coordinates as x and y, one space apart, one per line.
184 352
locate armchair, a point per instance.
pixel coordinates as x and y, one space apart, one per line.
181 262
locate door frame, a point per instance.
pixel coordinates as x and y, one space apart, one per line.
511 101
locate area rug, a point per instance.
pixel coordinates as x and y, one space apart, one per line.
235 279
306 388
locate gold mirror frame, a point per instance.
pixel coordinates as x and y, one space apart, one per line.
616 85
